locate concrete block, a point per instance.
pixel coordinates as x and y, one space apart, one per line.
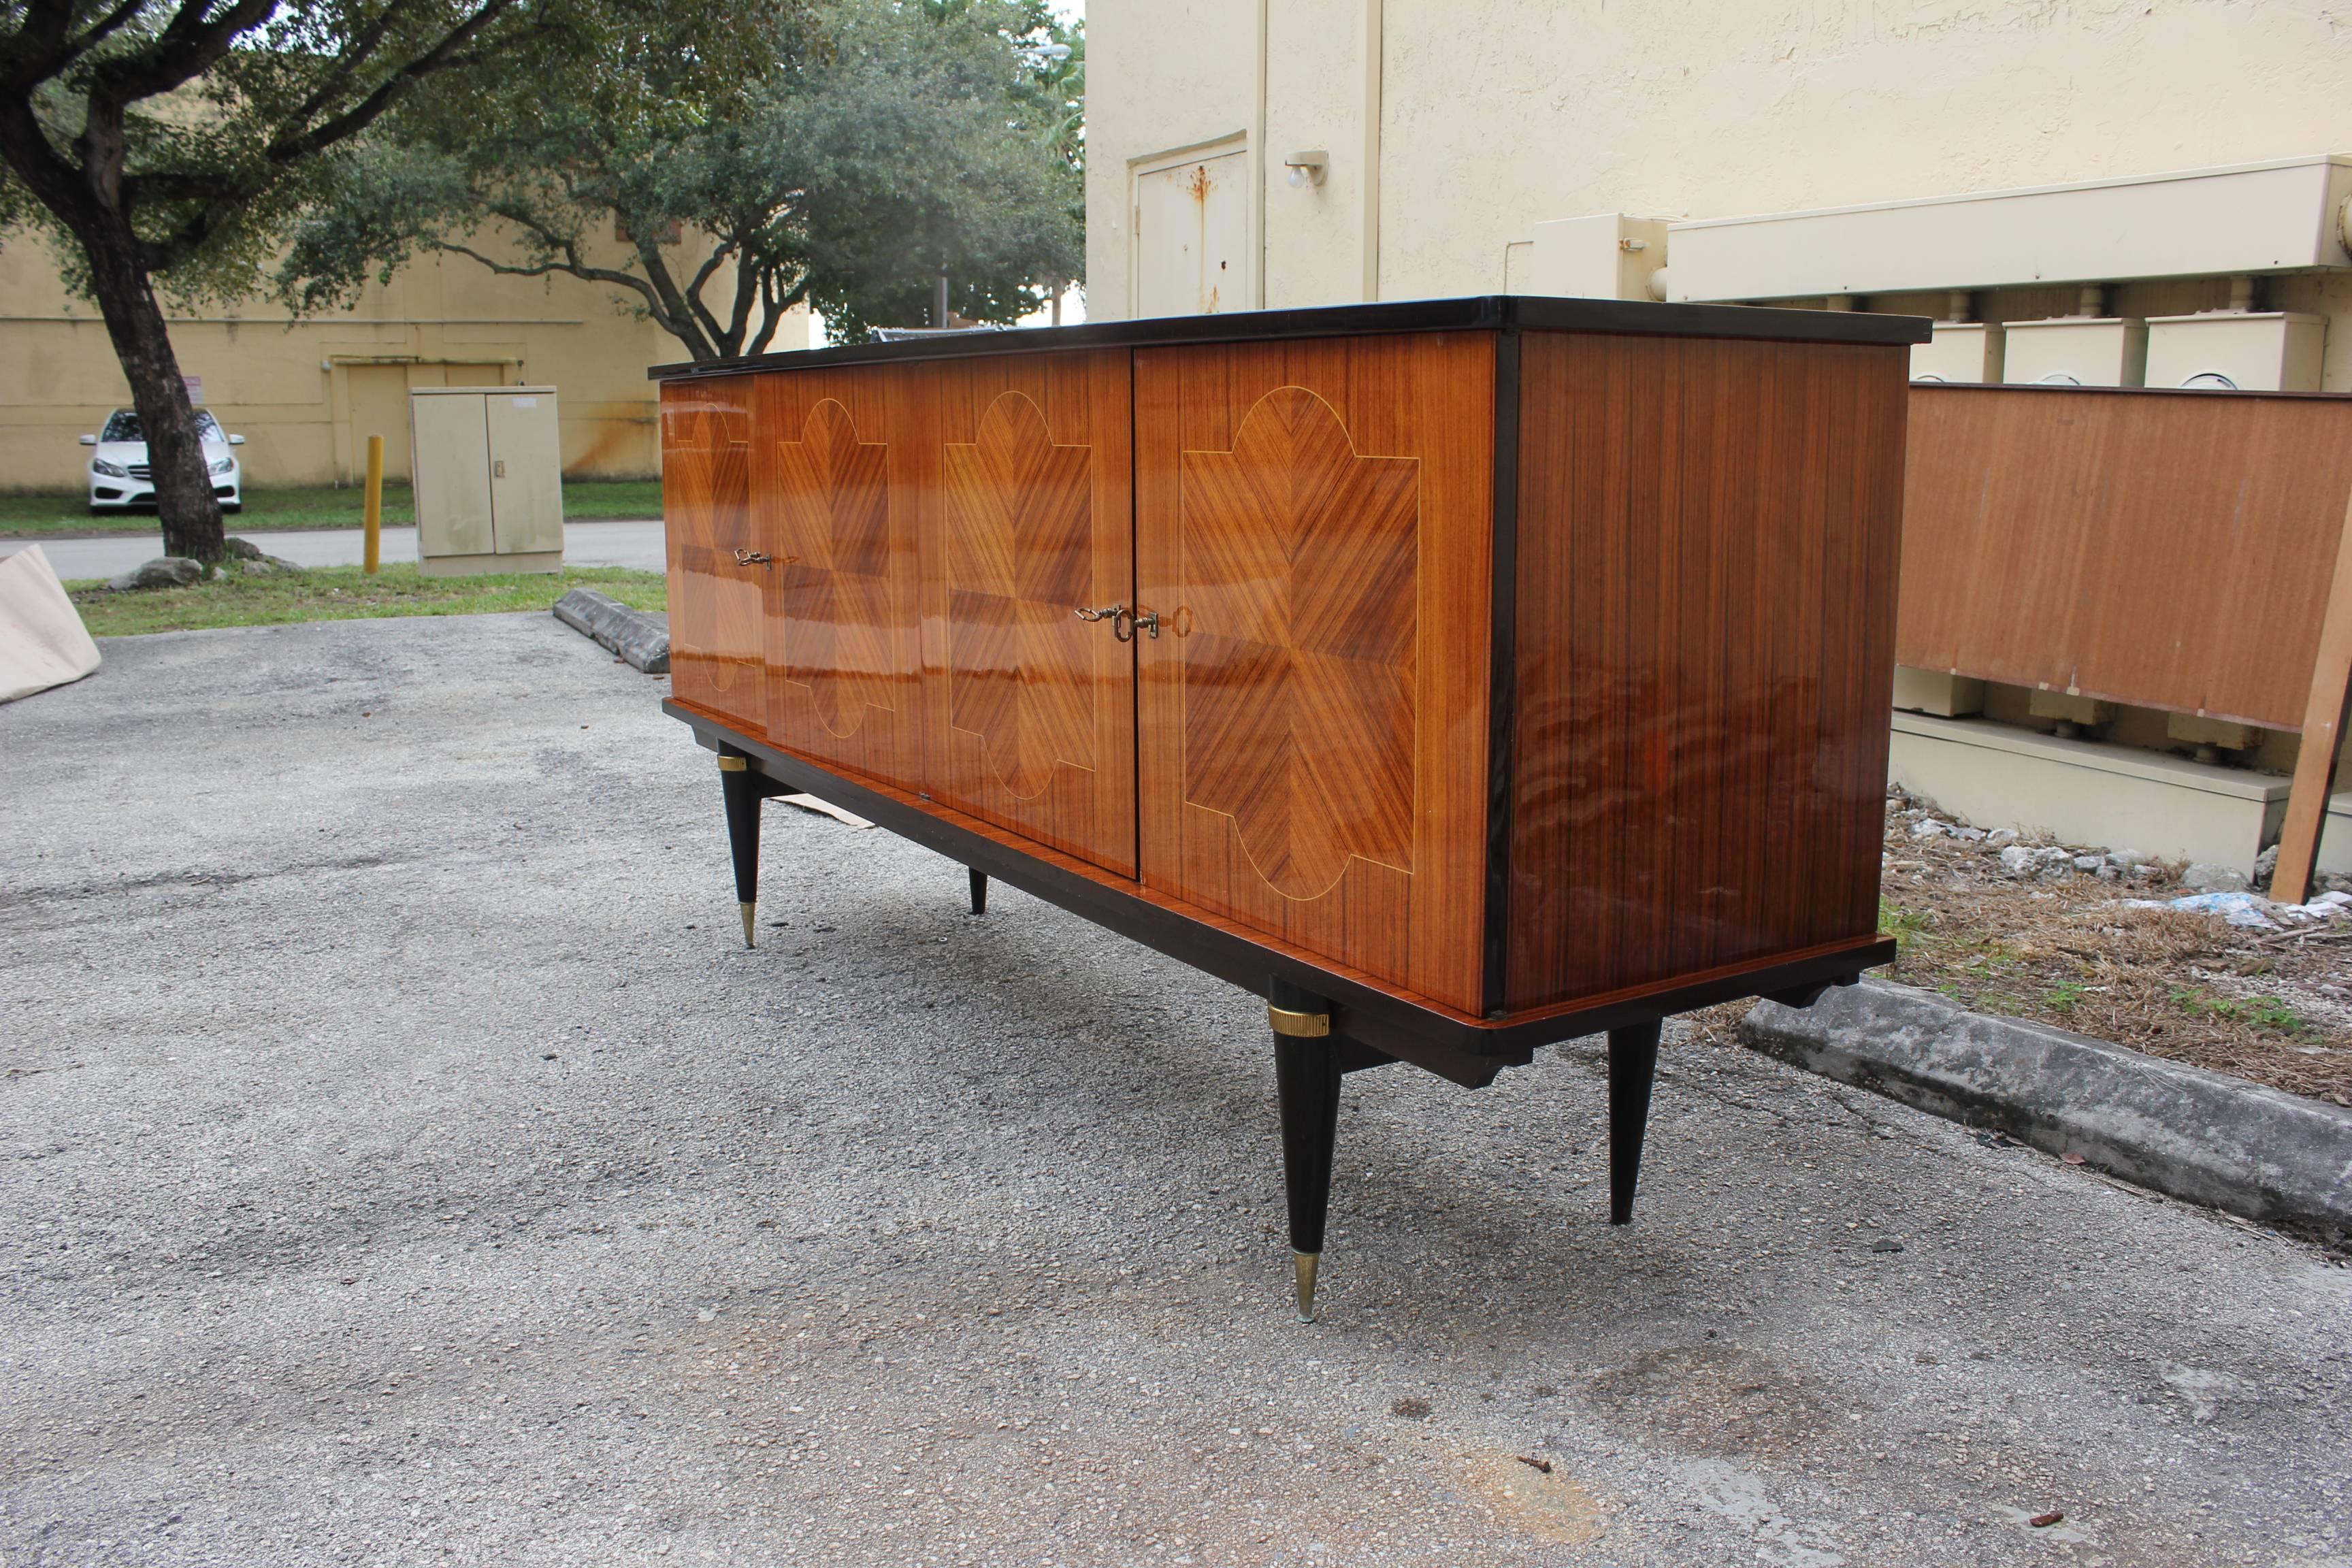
637 637
2046 704
2088 793
2190 729
2214 1140
1933 691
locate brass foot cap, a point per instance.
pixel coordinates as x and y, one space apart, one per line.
1306 1263
748 911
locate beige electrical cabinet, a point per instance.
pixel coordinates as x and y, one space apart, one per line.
2235 350
2076 350
489 479
1960 351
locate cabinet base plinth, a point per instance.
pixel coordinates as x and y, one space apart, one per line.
476 565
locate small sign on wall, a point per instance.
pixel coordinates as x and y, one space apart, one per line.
196 387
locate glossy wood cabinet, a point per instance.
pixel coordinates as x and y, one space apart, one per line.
1474 674
1314 522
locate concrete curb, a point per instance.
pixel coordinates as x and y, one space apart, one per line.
641 638
2180 1130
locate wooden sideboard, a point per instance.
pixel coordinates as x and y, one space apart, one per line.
1464 676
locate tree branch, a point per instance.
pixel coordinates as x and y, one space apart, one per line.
441 57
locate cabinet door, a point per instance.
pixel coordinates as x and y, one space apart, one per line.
453 481
1032 709
526 471
1314 525
715 657
834 500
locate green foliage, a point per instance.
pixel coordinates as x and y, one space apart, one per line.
232 119
856 149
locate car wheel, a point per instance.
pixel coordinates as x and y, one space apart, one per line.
231 507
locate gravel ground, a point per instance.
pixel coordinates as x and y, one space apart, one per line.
405 1164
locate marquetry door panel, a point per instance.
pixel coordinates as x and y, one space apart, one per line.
1314 524
1031 709
834 508
716 640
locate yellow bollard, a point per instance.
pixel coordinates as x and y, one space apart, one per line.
374 505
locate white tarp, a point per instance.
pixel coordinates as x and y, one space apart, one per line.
42 640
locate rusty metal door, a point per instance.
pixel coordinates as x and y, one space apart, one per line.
1191 238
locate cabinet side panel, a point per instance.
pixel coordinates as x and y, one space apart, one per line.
1029 710
1707 535
1315 527
716 656
843 461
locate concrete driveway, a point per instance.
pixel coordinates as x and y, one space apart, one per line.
636 544
405 1163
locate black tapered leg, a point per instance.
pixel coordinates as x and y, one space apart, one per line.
1307 1079
741 788
1633 1064
978 890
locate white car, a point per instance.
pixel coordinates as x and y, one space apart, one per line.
118 477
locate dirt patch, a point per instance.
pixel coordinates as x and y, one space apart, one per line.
2057 939
1714 1399
1547 1504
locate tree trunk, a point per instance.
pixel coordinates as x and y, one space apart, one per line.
191 512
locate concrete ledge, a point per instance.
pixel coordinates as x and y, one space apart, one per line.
2092 792
2181 1131
641 638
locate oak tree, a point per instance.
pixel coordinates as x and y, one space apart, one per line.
171 145
879 143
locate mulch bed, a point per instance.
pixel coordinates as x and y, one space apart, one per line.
2064 947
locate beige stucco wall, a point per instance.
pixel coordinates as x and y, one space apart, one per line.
1497 114
288 387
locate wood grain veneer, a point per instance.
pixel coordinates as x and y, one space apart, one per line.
1030 711
1314 525
1707 537
716 637
840 459
2050 534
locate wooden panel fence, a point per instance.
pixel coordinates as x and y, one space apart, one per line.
2169 550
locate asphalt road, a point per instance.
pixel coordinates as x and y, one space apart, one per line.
403 1162
634 544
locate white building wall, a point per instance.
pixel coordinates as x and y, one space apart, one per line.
1497 114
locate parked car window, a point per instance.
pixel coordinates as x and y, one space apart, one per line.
122 424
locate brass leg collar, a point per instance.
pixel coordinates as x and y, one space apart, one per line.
1306 1263
748 911
1297 1026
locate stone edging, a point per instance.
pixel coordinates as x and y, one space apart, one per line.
641 638
2181 1131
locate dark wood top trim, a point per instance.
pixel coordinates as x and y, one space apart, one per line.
1457 1046
1490 311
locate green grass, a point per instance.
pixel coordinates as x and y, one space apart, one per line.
240 598
1903 925
2262 1012
315 506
